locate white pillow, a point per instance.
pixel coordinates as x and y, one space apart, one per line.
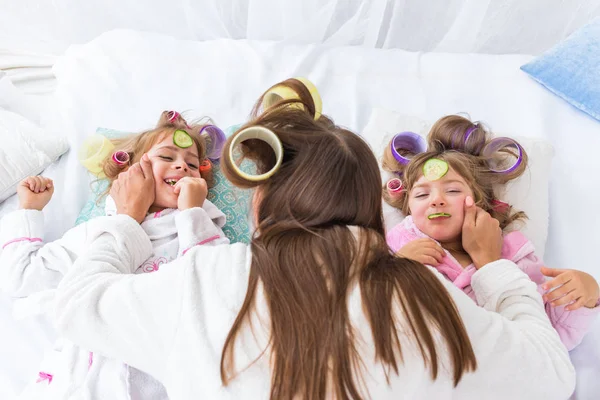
26 150
13 99
528 193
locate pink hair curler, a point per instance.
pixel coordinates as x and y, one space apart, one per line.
172 115
120 157
395 187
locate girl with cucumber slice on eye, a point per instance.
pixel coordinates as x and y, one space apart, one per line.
445 185
179 218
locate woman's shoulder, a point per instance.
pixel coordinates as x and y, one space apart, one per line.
218 274
221 260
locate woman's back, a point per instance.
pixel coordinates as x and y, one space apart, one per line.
181 345
316 306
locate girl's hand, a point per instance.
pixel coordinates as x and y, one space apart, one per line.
425 251
191 192
570 286
35 192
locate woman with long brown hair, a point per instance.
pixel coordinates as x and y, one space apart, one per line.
316 307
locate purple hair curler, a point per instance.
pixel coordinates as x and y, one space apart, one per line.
215 139
409 141
497 144
470 130
120 157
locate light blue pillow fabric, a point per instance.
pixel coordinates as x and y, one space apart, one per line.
232 201
571 69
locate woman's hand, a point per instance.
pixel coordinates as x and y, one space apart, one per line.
425 251
133 191
481 235
570 286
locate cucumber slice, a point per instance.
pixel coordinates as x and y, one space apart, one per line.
435 169
438 215
182 139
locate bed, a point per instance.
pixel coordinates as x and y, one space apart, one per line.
124 78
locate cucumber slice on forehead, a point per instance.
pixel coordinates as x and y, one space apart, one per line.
435 169
182 139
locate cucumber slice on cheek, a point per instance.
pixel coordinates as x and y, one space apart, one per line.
435 169
182 139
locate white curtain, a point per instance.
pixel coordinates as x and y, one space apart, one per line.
32 32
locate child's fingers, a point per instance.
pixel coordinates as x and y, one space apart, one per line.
567 299
559 280
38 184
578 304
558 293
440 250
179 185
29 183
432 251
551 272
428 260
47 182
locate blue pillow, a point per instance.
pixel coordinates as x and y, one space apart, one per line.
571 69
232 201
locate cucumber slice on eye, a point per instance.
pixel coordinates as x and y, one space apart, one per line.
182 139
435 169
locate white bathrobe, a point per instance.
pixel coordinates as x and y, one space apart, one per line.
183 313
32 269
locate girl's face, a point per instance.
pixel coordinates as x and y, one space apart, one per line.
437 207
169 164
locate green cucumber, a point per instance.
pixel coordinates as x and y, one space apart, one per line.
437 215
435 169
182 139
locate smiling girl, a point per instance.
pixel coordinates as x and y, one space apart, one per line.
180 218
460 166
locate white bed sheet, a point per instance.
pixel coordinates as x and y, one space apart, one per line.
123 79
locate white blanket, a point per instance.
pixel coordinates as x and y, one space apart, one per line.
123 79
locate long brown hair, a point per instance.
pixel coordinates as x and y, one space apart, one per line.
320 233
446 141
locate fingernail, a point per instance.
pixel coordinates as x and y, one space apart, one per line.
469 201
545 287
